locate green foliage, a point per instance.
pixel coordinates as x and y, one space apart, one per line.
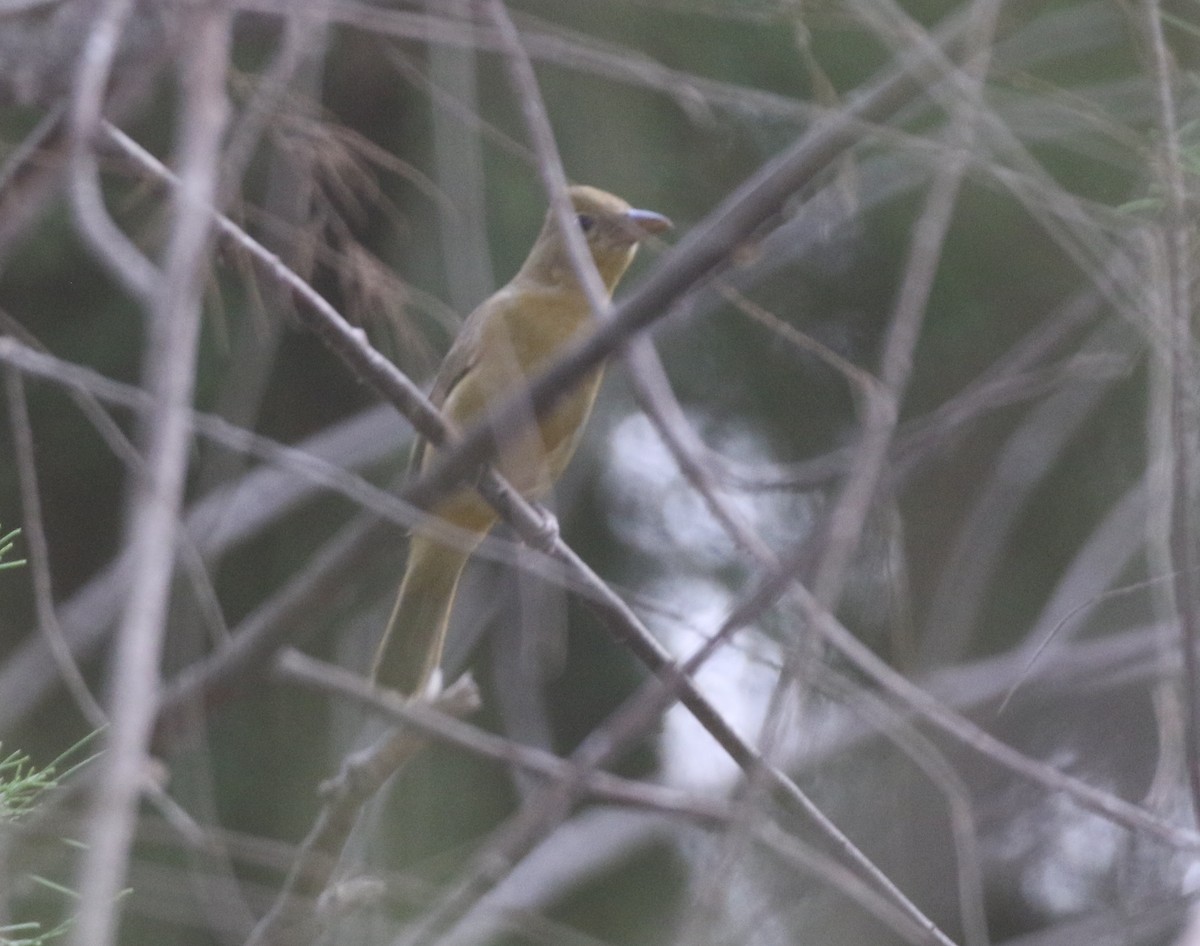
6 546
22 787
21 784
31 934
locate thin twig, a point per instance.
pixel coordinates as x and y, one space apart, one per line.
83 386
435 721
303 33
549 163
290 921
655 397
914 699
1026 458
110 245
303 463
881 407
459 159
929 758
39 553
599 786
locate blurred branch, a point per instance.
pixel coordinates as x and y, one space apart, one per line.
1184 422
290 922
687 89
441 722
312 467
287 618
30 176
363 773
766 240
109 244
880 403
304 36
281 619
547 809
221 520
881 406
652 389
39 553
555 181
933 763
459 159
1026 459
549 163
174 309
1063 216
1101 559
230 515
82 386
914 699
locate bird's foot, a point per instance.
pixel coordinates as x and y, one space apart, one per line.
547 531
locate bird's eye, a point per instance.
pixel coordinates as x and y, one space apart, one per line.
586 222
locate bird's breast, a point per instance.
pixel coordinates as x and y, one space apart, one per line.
528 331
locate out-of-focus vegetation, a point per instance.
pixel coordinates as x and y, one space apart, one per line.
1007 258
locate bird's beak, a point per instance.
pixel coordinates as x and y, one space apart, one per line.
647 222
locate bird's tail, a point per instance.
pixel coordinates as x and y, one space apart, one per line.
411 648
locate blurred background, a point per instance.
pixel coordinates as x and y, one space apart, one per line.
1019 558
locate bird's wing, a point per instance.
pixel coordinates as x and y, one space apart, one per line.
463 354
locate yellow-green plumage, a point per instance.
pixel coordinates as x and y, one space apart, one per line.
506 341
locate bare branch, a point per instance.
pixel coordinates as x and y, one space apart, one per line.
362 775
170 365
39 554
109 243
549 164
1184 409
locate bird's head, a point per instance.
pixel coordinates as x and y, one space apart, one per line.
611 228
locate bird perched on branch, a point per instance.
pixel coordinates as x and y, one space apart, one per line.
504 343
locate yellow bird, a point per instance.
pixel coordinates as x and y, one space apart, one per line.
506 341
